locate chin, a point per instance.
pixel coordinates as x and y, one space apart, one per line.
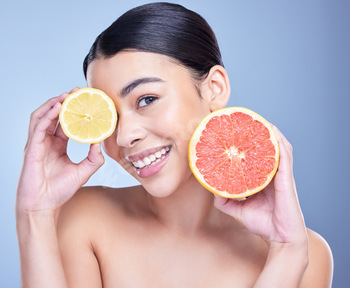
160 190
167 186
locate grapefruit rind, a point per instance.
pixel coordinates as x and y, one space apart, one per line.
193 157
111 107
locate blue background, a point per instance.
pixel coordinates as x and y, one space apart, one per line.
287 60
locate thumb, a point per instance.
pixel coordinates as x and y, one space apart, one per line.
91 163
231 207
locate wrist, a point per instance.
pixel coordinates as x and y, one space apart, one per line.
25 211
292 253
28 221
297 245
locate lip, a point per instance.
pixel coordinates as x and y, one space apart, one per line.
152 169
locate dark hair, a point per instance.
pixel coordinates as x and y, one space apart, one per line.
165 28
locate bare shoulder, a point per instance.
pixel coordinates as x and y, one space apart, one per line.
94 205
320 270
85 223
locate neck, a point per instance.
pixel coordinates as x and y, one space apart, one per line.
188 209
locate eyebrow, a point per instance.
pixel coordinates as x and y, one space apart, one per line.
128 88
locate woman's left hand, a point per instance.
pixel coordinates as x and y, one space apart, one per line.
274 213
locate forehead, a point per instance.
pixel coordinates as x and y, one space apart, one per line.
126 66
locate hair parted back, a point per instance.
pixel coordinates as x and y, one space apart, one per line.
165 28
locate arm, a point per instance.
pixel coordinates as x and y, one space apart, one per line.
285 266
274 214
290 265
319 273
77 233
38 249
48 179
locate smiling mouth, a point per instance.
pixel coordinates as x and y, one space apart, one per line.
151 159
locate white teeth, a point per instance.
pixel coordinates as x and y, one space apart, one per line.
151 159
140 164
147 161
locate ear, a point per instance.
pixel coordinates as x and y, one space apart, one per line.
216 88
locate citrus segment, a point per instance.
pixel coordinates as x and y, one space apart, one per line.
234 152
88 115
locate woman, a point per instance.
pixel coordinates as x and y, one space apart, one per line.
161 65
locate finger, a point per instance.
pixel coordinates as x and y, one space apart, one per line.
91 163
286 152
284 179
42 110
59 132
229 206
220 201
63 96
282 140
46 124
73 90
58 129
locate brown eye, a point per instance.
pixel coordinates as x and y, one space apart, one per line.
146 100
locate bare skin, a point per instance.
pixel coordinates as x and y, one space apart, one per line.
170 231
133 248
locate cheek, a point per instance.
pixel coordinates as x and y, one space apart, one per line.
177 129
184 120
111 148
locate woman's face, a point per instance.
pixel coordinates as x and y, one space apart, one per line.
158 109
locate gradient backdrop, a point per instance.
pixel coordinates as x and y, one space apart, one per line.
287 60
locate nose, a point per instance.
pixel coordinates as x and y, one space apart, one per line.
129 131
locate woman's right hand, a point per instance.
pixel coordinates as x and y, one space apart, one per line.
49 178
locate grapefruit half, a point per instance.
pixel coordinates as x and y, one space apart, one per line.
234 152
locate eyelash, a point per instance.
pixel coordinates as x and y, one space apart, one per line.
154 98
